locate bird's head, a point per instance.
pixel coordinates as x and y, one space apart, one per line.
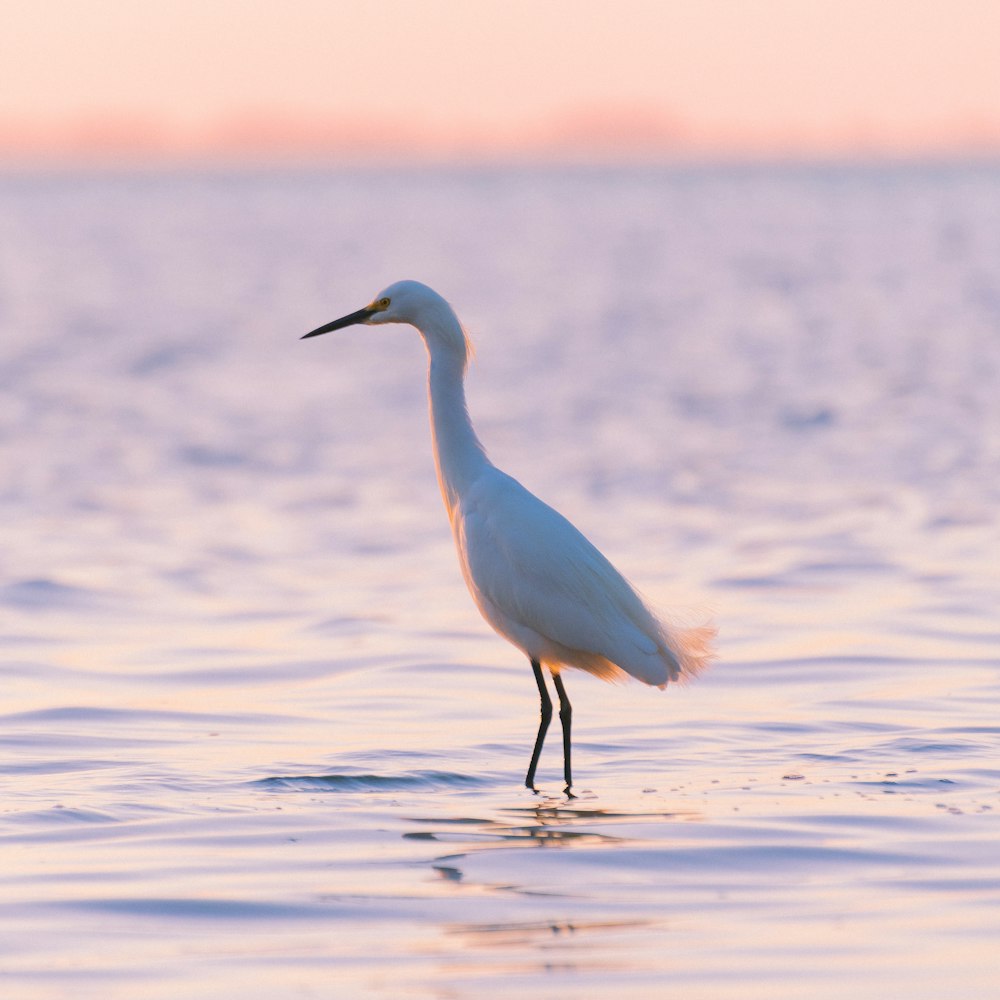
413 303
402 302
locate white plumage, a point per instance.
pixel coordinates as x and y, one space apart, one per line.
536 579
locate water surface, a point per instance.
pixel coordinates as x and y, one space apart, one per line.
256 740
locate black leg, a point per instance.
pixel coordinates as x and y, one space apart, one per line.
543 725
566 717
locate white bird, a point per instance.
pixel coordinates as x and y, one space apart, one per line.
534 577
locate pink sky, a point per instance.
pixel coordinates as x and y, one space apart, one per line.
190 79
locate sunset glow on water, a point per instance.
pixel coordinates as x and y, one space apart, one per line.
257 741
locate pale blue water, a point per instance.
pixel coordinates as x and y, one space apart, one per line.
255 740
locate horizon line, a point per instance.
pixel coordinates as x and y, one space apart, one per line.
629 135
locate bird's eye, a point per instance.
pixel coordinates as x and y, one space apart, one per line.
383 303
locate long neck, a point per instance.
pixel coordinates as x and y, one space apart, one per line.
458 454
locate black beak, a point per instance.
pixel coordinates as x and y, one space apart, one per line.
338 324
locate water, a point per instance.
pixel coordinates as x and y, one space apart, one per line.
256 741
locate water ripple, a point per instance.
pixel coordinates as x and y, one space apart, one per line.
413 781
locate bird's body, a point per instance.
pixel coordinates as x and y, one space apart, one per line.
544 587
534 577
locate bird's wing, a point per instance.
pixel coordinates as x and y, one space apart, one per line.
539 571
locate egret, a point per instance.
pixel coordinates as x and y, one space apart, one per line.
534 577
